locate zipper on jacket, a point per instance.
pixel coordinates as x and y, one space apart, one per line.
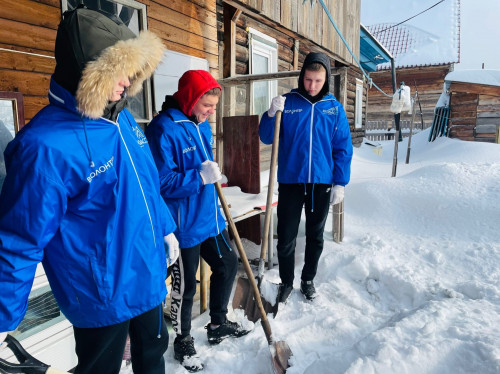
138 180
311 142
215 194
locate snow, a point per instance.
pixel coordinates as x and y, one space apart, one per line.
413 288
488 77
431 38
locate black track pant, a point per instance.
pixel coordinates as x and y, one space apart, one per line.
291 200
100 350
223 263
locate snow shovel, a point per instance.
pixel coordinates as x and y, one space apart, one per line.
243 298
280 351
27 363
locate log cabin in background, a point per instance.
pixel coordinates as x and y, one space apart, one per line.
474 105
422 58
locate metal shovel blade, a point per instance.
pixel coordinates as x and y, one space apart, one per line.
280 354
244 299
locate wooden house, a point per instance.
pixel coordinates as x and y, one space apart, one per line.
474 105
230 38
265 37
424 49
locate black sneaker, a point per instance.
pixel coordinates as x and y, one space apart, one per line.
226 330
307 288
185 353
284 292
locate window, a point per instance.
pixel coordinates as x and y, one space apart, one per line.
133 14
166 76
264 59
358 111
11 121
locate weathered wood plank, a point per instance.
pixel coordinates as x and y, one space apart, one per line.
29 36
30 12
241 152
210 5
54 3
488 114
177 11
27 62
35 84
474 88
488 100
183 37
33 104
183 22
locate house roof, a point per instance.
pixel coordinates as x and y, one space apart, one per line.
430 37
371 51
484 77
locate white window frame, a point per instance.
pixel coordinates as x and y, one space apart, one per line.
168 73
266 46
358 111
143 25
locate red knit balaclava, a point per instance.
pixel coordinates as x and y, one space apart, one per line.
192 85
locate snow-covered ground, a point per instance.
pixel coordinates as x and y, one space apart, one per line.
413 288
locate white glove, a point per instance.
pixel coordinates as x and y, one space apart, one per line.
3 335
210 172
171 248
336 195
277 103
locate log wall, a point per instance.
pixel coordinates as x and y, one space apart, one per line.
28 30
294 17
474 112
429 81
27 36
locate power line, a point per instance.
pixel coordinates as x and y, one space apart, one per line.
370 81
397 24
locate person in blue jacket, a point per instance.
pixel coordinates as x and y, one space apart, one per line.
181 141
82 196
314 160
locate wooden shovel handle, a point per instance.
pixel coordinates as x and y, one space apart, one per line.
270 191
264 321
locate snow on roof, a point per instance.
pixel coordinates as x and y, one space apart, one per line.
431 38
488 77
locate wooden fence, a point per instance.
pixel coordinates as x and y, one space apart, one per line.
385 130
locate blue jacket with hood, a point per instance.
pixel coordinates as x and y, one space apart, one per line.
98 230
179 146
82 192
315 140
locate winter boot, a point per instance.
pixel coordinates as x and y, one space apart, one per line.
307 288
185 353
284 292
226 330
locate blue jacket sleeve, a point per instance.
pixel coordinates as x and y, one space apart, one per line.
169 225
31 208
266 129
173 183
342 150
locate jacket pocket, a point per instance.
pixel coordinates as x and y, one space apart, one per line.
101 281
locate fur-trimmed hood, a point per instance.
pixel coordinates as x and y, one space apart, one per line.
134 58
94 51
